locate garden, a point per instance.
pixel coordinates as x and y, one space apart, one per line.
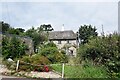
97 56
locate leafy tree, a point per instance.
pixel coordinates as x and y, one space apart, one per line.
85 32
4 27
30 32
45 27
17 31
20 30
37 37
12 47
13 31
103 51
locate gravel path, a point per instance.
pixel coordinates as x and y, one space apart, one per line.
45 74
31 74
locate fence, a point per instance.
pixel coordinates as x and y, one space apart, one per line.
58 69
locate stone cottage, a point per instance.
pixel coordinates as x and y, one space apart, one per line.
64 39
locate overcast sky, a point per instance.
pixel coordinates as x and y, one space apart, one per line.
71 14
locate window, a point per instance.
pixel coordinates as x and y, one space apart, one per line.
68 41
59 42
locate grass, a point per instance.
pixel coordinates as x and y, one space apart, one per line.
80 71
1 59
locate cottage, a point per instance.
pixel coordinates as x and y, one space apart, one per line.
63 38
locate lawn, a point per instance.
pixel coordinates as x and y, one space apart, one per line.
80 71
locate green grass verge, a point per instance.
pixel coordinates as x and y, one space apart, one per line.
82 71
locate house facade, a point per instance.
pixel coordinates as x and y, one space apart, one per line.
66 40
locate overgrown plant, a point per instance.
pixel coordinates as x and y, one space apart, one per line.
12 47
103 50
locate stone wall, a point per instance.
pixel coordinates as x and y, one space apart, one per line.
27 40
64 42
72 44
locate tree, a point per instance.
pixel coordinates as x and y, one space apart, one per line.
4 27
13 47
85 32
103 51
37 37
45 27
20 30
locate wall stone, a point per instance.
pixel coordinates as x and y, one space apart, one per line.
27 40
64 42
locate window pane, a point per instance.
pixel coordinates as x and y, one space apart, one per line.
67 41
59 42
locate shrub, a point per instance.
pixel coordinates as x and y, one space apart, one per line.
35 63
53 54
50 44
103 50
40 60
12 47
48 50
60 58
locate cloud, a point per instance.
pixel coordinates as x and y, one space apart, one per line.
60 0
72 15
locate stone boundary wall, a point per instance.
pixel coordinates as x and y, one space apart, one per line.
27 40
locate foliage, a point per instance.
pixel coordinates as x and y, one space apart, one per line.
50 44
103 50
4 27
53 54
12 47
45 27
34 63
82 71
85 32
17 31
37 37
51 51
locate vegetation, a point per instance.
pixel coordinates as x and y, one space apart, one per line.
85 32
36 36
82 71
45 27
99 56
103 51
52 53
6 28
13 47
33 63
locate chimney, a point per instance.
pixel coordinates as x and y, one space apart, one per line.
63 27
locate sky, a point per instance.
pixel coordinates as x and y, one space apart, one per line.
71 14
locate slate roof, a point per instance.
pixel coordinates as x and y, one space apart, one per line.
62 35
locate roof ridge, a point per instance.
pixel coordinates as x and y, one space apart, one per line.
62 31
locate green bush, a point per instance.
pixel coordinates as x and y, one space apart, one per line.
12 47
40 60
34 63
48 50
103 50
53 55
50 44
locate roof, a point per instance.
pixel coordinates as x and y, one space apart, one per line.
64 35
